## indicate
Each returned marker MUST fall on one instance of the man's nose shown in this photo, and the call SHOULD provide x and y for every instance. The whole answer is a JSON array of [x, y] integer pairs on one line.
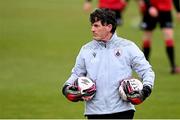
[[92, 29]]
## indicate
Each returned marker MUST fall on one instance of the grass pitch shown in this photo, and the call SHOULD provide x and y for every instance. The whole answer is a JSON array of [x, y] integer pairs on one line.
[[39, 40]]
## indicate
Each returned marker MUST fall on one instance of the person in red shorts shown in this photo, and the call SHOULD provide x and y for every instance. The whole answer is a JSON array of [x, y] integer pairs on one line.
[[115, 5], [159, 12]]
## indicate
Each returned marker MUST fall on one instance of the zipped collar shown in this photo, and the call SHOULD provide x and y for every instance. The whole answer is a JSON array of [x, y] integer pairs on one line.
[[110, 41]]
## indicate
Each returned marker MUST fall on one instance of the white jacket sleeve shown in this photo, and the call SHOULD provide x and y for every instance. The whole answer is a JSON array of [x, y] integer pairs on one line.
[[141, 66]]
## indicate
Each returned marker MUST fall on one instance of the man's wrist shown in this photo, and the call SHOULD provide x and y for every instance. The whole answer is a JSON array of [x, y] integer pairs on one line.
[[146, 91]]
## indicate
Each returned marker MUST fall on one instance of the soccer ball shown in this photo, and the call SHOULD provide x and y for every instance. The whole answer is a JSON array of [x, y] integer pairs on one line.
[[87, 87], [135, 84]]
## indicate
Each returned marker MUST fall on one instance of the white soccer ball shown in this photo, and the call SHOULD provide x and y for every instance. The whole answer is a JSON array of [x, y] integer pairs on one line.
[[87, 87], [135, 84]]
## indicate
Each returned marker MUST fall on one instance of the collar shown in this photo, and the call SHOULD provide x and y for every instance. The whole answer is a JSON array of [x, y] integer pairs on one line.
[[105, 44]]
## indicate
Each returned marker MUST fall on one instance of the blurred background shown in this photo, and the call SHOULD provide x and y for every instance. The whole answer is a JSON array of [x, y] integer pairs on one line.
[[39, 41]]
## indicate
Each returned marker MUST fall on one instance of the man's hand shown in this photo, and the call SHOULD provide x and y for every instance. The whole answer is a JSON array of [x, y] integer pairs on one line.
[[89, 93], [72, 93], [137, 97], [153, 11]]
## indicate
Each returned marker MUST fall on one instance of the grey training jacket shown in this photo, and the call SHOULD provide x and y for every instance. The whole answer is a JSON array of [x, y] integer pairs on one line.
[[108, 64]]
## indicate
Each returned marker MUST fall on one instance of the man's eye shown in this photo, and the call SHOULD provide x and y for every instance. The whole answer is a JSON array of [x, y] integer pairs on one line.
[[95, 25]]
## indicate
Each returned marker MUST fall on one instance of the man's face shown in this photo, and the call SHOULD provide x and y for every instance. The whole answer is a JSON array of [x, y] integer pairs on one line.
[[101, 32]]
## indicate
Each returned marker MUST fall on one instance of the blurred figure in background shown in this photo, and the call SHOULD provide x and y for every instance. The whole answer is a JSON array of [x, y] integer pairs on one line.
[[117, 6], [159, 11]]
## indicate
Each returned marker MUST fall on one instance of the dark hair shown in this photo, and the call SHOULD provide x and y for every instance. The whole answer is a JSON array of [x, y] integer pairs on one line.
[[106, 16]]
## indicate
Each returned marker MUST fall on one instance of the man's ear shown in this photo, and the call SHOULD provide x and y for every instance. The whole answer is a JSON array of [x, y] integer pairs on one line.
[[109, 27]]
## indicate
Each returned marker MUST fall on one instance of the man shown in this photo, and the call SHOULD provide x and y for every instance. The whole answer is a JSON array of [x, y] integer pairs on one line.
[[107, 60], [117, 6], [159, 11]]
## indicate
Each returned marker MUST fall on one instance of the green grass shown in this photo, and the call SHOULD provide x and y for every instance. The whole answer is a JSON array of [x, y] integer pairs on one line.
[[39, 40]]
